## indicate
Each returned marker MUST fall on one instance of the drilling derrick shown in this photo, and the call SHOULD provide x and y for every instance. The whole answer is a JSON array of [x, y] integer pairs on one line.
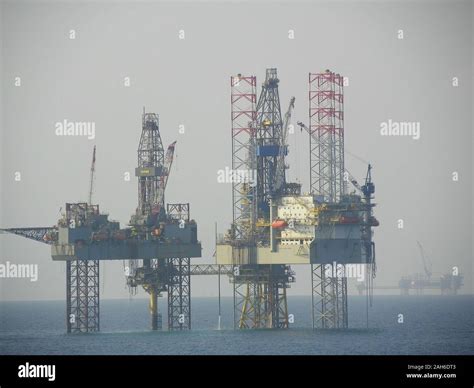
[[153, 222], [150, 208], [150, 167], [268, 134], [151, 157]]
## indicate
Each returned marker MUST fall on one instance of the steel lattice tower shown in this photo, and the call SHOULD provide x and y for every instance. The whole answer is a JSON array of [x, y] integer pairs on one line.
[[269, 132], [82, 282], [179, 279], [179, 294], [326, 117], [82, 296], [150, 155], [243, 101], [150, 158]]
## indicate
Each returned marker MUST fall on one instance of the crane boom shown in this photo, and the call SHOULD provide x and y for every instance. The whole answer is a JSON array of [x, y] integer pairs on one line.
[[168, 163], [91, 185], [353, 181], [286, 121], [426, 263], [283, 146], [40, 234], [159, 201]]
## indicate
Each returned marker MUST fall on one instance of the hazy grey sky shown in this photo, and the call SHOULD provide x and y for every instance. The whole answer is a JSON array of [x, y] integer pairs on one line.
[[187, 83]]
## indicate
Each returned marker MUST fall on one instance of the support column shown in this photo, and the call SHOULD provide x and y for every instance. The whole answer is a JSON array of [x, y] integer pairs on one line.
[[82, 296], [280, 309], [179, 294], [154, 309], [329, 297]]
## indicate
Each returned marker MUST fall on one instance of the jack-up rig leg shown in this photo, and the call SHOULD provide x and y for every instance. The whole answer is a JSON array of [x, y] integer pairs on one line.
[[179, 294], [82, 296]]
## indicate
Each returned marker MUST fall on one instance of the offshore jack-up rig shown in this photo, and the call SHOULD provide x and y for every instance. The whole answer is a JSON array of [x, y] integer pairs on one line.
[[274, 224], [448, 283], [157, 245]]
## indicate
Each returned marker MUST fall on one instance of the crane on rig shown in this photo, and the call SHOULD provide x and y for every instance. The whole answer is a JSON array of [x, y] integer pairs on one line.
[[283, 149], [368, 188], [426, 262], [160, 195], [92, 177]]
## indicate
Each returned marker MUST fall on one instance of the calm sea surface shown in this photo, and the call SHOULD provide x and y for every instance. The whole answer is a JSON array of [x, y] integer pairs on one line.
[[432, 325]]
